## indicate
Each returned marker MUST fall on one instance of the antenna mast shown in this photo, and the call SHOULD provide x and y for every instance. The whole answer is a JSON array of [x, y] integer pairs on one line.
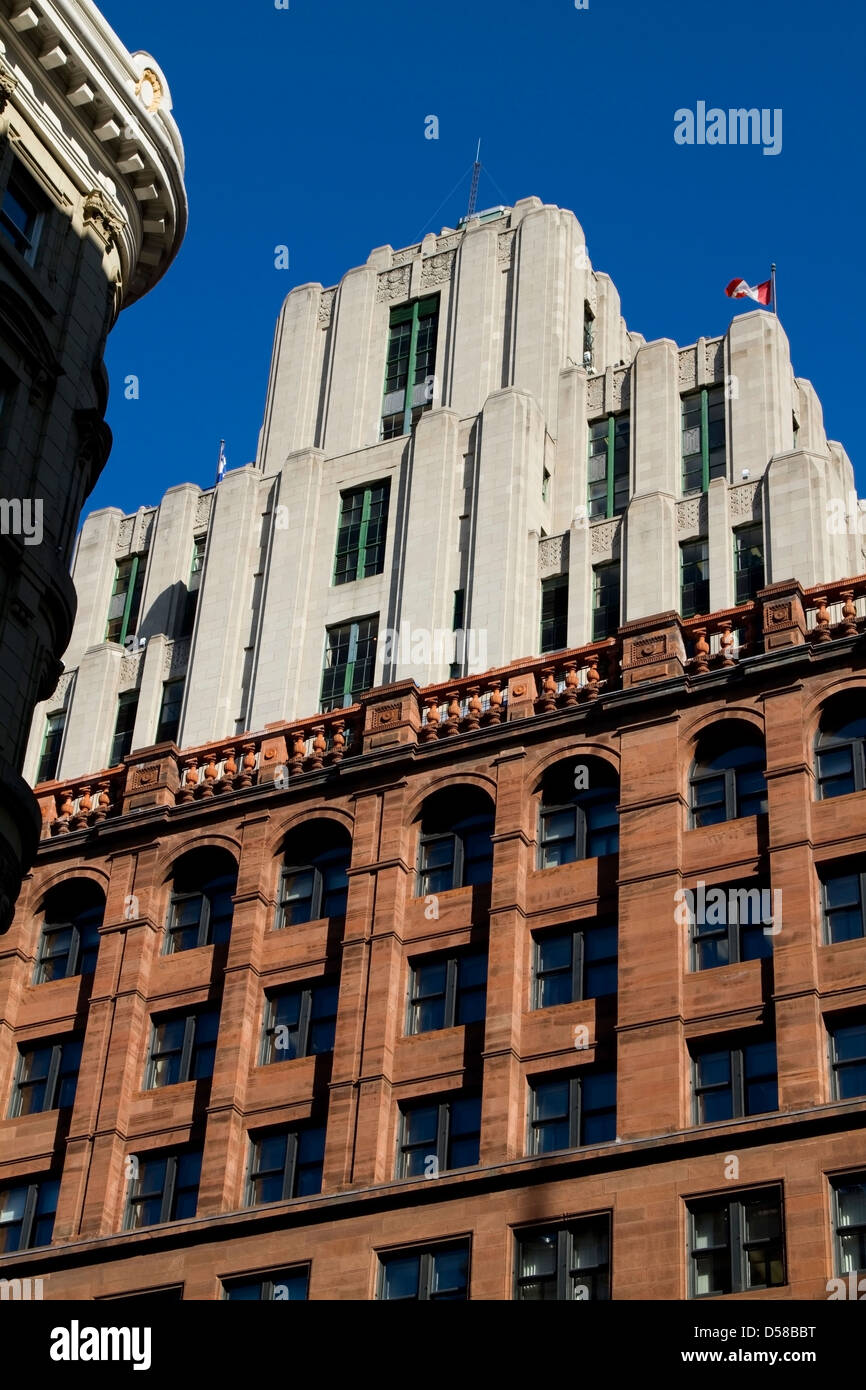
[[476, 172]]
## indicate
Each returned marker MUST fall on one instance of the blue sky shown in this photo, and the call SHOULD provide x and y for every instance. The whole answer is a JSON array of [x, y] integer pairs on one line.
[[305, 127]]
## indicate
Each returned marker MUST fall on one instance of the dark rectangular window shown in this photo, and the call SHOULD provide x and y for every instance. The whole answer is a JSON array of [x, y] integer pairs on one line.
[[848, 1058], [608, 466], [849, 1222], [202, 918], [124, 727], [568, 1111], [281, 1285], [438, 1135], [125, 605], [748, 562], [193, 585], [350, 662], [562, 1263], [27, 1214], [299, 1022], [21, 212], [46, 1077], [165, 1189], [69, 948], [574, 963], [736, 1244], [285, 1163], [703, 435], [554, 613], [182, 1048], [51, 744], [695, 582], [446, 991], [731, 1082], [605, 601], [169, 714], [362, 531], [440, 1273], [410, 365], [843, 896], [731, 929]]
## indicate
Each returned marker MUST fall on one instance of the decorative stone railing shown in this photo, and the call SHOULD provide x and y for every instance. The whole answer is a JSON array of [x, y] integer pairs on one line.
[[652, 649], [836, 610]]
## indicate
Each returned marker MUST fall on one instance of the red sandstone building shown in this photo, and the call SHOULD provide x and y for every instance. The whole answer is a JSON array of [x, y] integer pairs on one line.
[[424, 999]]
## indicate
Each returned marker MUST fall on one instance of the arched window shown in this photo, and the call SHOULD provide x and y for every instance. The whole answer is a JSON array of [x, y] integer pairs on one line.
[[578, 817], [727, 780], [200, 910], [840, 748], [69, 943], [454, 848], [314, 880]]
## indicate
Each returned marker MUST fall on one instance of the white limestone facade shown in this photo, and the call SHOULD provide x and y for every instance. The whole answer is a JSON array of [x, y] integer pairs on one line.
[[497, 523]]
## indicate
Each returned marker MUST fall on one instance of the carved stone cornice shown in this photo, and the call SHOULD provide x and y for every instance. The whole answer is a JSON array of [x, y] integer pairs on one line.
[[101, 213]]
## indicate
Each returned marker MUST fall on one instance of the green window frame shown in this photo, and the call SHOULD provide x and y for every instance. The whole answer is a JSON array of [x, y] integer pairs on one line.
[[350, 662], [193, 585], [605, 600], [52, 742], [704, 438], [554, 613], [409, 365], [748, 562], [170, 710], [608, 466], [125, 605], [361, 532]]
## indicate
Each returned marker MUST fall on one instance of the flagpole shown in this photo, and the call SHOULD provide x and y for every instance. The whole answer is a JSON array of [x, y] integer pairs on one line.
[[773, 278], [219, 460]]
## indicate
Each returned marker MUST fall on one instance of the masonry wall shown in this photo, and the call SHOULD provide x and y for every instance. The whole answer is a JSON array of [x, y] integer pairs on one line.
[[660, 1159]]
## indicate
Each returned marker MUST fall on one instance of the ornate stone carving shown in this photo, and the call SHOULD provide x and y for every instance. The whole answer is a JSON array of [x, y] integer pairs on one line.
[[692, 516], [436, 270], [603, 538], [326, 306], [203, 510], [385, 717], [124, 535], [448, 243], [714, 353], [620, 390], [176, 657], [101, 213], [406, 256], [687, 368], [61, 692], [745, 500], [595, 396], [129, 668], [504, 247], [8, 83], [550, 556], [149, 91], [393, 284]]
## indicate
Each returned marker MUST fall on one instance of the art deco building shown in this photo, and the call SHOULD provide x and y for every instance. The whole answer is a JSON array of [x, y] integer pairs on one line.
[[348, 971], [92, 211]]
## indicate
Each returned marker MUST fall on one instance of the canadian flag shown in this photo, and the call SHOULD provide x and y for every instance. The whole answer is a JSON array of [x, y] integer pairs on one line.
[[738, 289]]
